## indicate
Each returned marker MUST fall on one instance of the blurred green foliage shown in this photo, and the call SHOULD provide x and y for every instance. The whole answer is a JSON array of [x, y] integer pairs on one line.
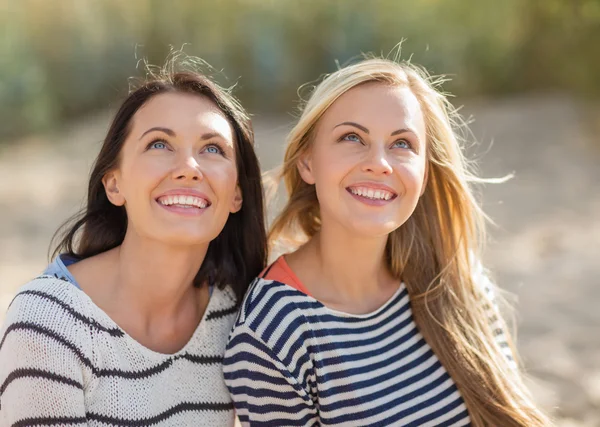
[[63, 58]]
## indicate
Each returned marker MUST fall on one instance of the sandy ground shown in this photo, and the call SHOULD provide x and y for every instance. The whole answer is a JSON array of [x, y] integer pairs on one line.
[[545, 248]]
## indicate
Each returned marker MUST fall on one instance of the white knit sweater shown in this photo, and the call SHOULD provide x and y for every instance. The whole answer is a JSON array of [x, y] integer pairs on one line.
[[63, 361]]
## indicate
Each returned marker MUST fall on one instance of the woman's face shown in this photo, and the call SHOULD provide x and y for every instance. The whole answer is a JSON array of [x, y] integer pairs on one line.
[[368, 159], [177, 175]]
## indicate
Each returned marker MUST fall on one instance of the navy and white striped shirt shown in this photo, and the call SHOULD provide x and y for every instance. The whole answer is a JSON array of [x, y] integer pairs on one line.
[[291, 361]]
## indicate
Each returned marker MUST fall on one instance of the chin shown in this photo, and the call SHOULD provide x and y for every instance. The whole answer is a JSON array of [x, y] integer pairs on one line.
[[370, 229], [188, 238]]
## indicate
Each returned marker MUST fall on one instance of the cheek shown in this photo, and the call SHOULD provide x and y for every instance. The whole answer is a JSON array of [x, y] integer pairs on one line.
[[143, 174], [223, 179], [412, 175], [330, 171]]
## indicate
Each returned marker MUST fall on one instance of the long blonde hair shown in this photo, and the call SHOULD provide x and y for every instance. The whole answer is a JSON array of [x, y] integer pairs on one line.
[[432, 251]]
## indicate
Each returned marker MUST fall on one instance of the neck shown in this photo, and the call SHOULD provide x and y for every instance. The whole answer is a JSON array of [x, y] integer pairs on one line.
[[352, 266], [156, 279]]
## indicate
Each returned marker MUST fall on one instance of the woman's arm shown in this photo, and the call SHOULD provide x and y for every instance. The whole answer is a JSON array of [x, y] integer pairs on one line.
[[41, 375], [264, 391]]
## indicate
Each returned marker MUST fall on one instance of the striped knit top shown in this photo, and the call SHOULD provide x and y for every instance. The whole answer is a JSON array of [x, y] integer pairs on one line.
[[63, 361], [291, 361]]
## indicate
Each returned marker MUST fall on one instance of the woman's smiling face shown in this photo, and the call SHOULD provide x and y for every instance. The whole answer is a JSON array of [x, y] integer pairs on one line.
[[368, 159], [177, 175]]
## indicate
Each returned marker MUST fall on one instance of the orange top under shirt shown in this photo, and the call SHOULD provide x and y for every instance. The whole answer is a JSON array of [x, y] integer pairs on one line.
[[280, 271]]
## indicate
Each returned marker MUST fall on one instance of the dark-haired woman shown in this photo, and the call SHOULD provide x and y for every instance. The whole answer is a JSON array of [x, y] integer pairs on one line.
[[129, 324]]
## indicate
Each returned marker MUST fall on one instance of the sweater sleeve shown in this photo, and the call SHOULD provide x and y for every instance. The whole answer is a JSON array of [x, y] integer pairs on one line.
[[41, 370], [263, 389]]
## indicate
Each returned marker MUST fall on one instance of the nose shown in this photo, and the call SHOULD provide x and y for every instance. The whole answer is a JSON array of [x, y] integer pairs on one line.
[[188, 168], [376, 161]]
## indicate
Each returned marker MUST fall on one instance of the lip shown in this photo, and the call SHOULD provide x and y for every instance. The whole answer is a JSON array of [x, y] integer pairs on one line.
[[184, 192], [373, 186]]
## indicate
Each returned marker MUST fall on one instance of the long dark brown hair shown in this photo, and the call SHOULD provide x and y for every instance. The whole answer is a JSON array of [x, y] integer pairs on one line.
[[239, 252]]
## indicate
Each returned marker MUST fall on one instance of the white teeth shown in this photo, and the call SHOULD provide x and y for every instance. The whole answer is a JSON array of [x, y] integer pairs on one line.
[[184, 201], [372, 194]]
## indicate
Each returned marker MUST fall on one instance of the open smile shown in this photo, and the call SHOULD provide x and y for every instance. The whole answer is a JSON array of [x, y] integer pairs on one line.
[[374, 195], [187, 204]]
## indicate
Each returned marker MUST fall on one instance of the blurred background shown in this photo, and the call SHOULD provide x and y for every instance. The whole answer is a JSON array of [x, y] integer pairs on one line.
[[527, 72]]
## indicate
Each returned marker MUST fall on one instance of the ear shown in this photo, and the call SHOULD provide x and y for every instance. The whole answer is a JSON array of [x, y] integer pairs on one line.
[[425, 178], [236, 204], [111, 186], [304, 165]]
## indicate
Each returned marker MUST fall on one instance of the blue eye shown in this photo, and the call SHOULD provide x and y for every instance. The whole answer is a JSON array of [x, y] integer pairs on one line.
[[158, 145], [351, 137], [213, 149], [401, 143]]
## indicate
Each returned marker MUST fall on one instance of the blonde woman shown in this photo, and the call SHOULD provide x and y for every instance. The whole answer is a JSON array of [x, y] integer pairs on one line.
[[382, 316]]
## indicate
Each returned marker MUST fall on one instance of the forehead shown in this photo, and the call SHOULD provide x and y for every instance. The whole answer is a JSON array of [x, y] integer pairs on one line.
[[182, 112], [377, 103]]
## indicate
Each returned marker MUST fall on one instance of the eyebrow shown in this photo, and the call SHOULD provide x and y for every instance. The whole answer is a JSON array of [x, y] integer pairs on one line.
[[356, 125], [365, 130], [165, 130], [211, 135], [403, 130], [171, 133]]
